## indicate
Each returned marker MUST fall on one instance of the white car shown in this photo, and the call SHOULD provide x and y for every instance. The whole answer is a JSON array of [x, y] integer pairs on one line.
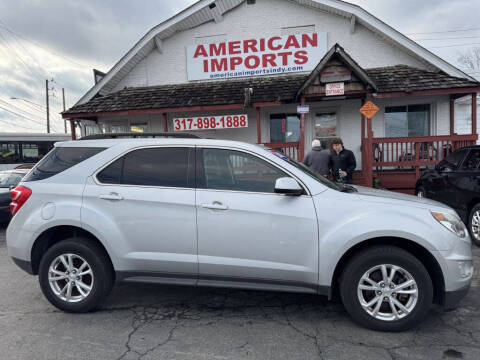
[[221, 213]]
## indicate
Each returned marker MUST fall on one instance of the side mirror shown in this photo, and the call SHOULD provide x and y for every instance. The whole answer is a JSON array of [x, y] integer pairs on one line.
[[288, 186]]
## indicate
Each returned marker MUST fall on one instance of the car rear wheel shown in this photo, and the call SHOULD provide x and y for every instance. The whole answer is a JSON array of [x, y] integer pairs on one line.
[[75, 275], [386, 288], [474, 224]]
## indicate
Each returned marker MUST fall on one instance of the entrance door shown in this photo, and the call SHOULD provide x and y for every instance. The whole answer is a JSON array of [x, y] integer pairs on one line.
[[247, 234], [325, 128]]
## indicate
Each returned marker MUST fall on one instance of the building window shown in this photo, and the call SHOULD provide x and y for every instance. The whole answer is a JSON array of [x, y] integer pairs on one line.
[[284, 128], [118, 129], [406, 121], [139, 127]]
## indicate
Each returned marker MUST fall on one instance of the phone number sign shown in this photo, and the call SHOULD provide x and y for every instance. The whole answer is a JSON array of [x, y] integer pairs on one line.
[[210, 122]]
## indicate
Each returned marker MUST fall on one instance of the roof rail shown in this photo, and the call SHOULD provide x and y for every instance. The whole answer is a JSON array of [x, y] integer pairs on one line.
[[138, 135]]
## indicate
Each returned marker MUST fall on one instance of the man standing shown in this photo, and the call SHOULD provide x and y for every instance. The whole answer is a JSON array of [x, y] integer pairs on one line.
[[318, 160], [343, 162]]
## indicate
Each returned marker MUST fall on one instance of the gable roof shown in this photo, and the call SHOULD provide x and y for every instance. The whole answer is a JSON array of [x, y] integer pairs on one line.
[[201, 12], [280, 88], [339, 52]]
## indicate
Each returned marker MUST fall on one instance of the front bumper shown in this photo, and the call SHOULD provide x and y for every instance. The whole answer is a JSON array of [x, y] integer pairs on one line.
[[452, 298]]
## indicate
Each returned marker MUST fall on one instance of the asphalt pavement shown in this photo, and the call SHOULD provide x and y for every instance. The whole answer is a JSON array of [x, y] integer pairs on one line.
[[143, 321]]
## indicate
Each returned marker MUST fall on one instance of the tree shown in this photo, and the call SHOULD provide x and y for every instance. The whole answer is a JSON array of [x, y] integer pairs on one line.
[[470, 59]]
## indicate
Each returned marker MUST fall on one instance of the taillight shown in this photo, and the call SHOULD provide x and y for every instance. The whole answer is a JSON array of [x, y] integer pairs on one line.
[[19, 197]]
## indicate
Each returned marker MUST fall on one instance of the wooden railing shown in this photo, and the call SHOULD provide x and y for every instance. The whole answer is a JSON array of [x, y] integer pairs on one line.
[[290, 149], [415, 151]]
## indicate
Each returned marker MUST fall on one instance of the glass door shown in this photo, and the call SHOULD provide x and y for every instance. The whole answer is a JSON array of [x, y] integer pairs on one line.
[[325, 128]]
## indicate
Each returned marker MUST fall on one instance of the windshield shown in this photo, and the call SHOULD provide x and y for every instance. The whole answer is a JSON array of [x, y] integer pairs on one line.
[[312, 174], [306, 170], [9, 179]]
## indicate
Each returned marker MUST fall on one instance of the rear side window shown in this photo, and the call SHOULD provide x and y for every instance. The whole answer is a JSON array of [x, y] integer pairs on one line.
[[60, 159], [152, 167]]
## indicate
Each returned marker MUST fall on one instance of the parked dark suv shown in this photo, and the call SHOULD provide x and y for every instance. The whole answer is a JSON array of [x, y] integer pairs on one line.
[[455, 181]]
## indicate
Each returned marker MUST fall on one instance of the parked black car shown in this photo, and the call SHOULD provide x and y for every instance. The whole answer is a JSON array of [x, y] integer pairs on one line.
[[8, 180], [455, 181]]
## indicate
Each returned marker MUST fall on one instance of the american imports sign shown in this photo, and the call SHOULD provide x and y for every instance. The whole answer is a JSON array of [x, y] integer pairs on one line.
[[255, 57]]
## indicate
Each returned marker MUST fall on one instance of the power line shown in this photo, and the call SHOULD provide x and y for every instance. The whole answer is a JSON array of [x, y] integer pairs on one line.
[[443, 32], [16, 125], [4, 26], [447, 46], [19, 57], [22, 116], [42, 107], [5, 103], [452, 38]]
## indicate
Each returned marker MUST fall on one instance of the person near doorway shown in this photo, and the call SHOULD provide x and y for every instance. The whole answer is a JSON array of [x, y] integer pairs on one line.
[[343, 162], [318, 160]]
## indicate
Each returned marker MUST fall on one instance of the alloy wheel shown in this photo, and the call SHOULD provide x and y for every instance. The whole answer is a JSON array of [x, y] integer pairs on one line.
[[70, 277], [476, 225], [387, 292]]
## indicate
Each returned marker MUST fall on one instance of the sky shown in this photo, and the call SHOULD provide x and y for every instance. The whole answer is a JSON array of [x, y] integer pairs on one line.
[[63, 40]]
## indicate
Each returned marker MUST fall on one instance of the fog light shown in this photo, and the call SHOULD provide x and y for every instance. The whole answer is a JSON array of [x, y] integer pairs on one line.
[[465, 268]]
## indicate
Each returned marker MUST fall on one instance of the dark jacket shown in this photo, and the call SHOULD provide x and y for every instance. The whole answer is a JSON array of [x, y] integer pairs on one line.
[[345, 160], [318, 160]]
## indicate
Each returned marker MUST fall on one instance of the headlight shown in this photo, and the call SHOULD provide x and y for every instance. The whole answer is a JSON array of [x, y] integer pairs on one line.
[[451, 222]]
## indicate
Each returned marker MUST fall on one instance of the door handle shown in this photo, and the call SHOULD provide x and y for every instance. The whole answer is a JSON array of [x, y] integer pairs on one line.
[[111, 196], [216, 205]]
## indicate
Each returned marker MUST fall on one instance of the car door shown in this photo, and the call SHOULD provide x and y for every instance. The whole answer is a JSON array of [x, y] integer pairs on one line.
[[439, 183], [465, 182], [143, 203], [248, 236]]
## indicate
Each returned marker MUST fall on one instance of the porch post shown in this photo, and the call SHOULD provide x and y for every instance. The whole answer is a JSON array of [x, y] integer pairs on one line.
[[452, 115], [72, 128], [474, 113], [369, 152], [301, 151], [259, 128], [363, 148], [165, 122]]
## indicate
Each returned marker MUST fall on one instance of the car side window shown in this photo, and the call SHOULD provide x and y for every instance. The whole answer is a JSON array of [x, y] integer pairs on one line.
[[221, 169], [160, 166], [472, 161]]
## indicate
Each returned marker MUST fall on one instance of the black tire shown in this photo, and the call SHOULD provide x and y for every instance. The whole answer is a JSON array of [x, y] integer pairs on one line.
[[390, 255], [470, 228], [422, 190], [100, 265]]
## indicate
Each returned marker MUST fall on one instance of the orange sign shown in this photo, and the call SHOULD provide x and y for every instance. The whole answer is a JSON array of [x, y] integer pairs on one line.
[[369, 109]]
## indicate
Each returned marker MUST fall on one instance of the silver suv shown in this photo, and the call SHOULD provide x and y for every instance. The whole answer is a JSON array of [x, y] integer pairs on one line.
[[223, 213]]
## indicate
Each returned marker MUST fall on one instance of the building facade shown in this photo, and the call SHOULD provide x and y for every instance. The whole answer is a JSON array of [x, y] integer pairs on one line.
[[233, 69]]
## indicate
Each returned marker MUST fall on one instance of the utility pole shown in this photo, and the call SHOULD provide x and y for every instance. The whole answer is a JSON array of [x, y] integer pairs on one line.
[[64, 120], [48, 109]]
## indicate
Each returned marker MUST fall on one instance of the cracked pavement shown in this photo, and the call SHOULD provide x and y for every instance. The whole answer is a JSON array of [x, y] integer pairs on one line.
[[145, 321]]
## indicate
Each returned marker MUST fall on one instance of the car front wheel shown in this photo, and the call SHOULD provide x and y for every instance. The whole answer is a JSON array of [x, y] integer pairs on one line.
[[75, 275], [386, 288], [474, 224]]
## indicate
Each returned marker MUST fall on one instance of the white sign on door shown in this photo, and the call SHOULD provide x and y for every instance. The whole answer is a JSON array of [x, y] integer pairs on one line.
[[334, 89]]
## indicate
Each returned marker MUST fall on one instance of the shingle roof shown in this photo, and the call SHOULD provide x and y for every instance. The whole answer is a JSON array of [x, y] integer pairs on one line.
[[407, 78], [265, 89]]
